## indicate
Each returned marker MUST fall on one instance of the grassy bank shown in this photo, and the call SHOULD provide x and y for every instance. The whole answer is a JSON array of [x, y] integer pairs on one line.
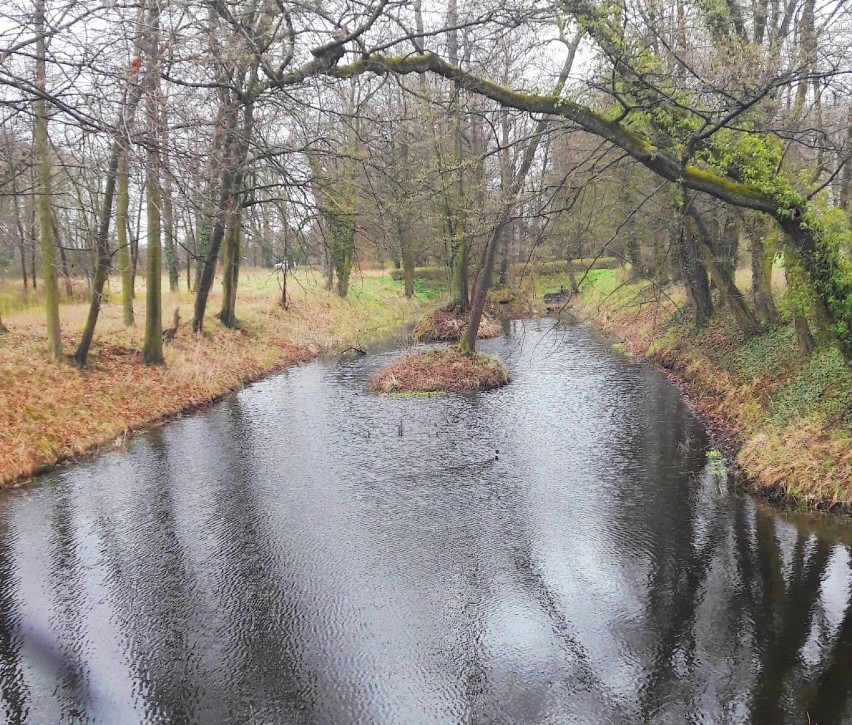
[[50, 413], [786, 421]]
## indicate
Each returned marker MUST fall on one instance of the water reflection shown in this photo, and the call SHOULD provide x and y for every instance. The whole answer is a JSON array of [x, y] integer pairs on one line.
[[286, 556]]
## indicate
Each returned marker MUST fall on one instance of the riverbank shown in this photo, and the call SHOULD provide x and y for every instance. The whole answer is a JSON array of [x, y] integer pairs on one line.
[[52, 413], [785, 422]]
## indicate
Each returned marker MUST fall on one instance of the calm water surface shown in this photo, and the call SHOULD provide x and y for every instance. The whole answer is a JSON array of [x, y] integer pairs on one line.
[[287, 556]]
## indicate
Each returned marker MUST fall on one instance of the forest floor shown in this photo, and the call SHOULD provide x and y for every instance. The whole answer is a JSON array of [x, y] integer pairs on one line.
[[785, 422], [51, 413]]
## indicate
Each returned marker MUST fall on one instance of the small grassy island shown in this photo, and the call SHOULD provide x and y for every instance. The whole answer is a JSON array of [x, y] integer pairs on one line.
[[444, 325], [449, 371]]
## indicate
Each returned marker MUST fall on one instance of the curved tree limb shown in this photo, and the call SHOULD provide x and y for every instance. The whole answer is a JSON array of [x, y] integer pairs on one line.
[[831, 281]]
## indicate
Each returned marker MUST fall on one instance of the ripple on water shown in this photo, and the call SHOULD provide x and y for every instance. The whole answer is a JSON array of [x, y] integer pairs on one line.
[[287, 556]]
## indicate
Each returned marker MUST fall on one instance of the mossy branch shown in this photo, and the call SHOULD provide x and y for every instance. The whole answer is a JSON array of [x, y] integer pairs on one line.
[[642, 150], [826, 269]]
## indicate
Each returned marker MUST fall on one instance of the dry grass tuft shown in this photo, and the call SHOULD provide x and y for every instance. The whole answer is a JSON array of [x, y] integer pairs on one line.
[[806, 461], [50, 413], [445, 326], [441, 371]]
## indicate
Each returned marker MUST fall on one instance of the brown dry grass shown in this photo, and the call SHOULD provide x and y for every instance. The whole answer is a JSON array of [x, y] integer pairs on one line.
[[441, 371], [444, 326], [50, 412]]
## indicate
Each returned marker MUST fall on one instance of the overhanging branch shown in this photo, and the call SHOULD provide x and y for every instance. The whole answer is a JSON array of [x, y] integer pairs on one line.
[[657, 160]]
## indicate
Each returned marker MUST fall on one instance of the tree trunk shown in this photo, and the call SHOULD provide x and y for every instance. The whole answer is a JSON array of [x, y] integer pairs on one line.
[[726, 245], [505, 255], [236, 148], [846, 178], [572, 276], [33, 247], [266, 252], [212, 227], [124, 265], [345, 258], [202, 245], [19, 224], [63, 258], [509, 198], [328, 268], [336, 200], [694, 276], [408, 271], [191, 248], [798, 295], [761, 283], [43, 192], [804, 338], [168, 211], [634, 254], [721, 277], [134, 247], [230, 271], [468, 342], [458, 253], [152, 351], [224, 209], [211, 203], [205, 282], [24, 267], [169, 245], [103, 259]]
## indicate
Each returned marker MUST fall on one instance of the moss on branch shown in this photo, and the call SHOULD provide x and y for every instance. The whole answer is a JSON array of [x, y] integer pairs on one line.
[[828, 272]]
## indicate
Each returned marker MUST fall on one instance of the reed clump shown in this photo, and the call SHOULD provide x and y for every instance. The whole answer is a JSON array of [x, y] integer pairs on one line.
[[448, 326], [441, 371]]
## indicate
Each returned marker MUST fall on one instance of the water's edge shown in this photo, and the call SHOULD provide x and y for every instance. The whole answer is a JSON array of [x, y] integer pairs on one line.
[[381, 337], [304, 551]]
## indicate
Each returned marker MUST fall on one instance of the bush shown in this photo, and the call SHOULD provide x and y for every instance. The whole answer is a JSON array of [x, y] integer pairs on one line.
[[561, 266], [444, 326]]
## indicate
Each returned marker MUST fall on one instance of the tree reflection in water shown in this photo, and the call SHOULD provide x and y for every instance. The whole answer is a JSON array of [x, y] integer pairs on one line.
[[268, 561]]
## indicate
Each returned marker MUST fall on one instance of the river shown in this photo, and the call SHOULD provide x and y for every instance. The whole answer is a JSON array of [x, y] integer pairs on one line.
[[304, 551]]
